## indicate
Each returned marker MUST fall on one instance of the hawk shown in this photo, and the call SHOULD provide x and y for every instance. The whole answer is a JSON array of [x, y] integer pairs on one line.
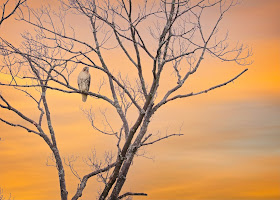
[[84, 82]]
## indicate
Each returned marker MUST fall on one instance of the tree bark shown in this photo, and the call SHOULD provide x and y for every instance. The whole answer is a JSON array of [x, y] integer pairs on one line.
[[61, 174]]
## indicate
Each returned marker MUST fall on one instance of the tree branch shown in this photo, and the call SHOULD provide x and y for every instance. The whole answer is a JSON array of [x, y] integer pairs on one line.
[[3, 17], [73, 90], [132, 194], [148, 143], [19, 125], [197, 93], [83, 183]]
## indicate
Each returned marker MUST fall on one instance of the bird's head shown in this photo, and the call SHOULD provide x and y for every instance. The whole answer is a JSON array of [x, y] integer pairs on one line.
[[86, 69]]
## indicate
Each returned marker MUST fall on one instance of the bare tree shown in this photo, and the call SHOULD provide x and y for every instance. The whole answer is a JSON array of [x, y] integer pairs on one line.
[[155, 37], [5, 12]]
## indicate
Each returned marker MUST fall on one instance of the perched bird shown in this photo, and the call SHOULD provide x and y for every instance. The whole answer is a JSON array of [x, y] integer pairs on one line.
[[84, 82]]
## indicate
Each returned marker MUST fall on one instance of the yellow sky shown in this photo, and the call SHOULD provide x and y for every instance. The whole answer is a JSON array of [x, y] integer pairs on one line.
[[231, 144]]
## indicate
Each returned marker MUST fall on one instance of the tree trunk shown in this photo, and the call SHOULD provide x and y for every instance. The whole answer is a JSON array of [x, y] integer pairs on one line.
[[61, 174], [129, 157]]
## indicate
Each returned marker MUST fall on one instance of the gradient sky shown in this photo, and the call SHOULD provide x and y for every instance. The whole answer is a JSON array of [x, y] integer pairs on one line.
[[231, 144]]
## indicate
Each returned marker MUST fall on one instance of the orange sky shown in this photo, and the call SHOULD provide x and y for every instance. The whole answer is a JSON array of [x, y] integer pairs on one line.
[[231, 144]]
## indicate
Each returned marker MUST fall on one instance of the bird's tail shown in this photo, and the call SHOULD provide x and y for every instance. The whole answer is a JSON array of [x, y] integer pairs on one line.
[[84, 97]]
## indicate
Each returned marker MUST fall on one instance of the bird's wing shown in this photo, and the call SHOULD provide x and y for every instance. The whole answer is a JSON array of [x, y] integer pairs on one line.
[[79, 80], [88, 82]]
